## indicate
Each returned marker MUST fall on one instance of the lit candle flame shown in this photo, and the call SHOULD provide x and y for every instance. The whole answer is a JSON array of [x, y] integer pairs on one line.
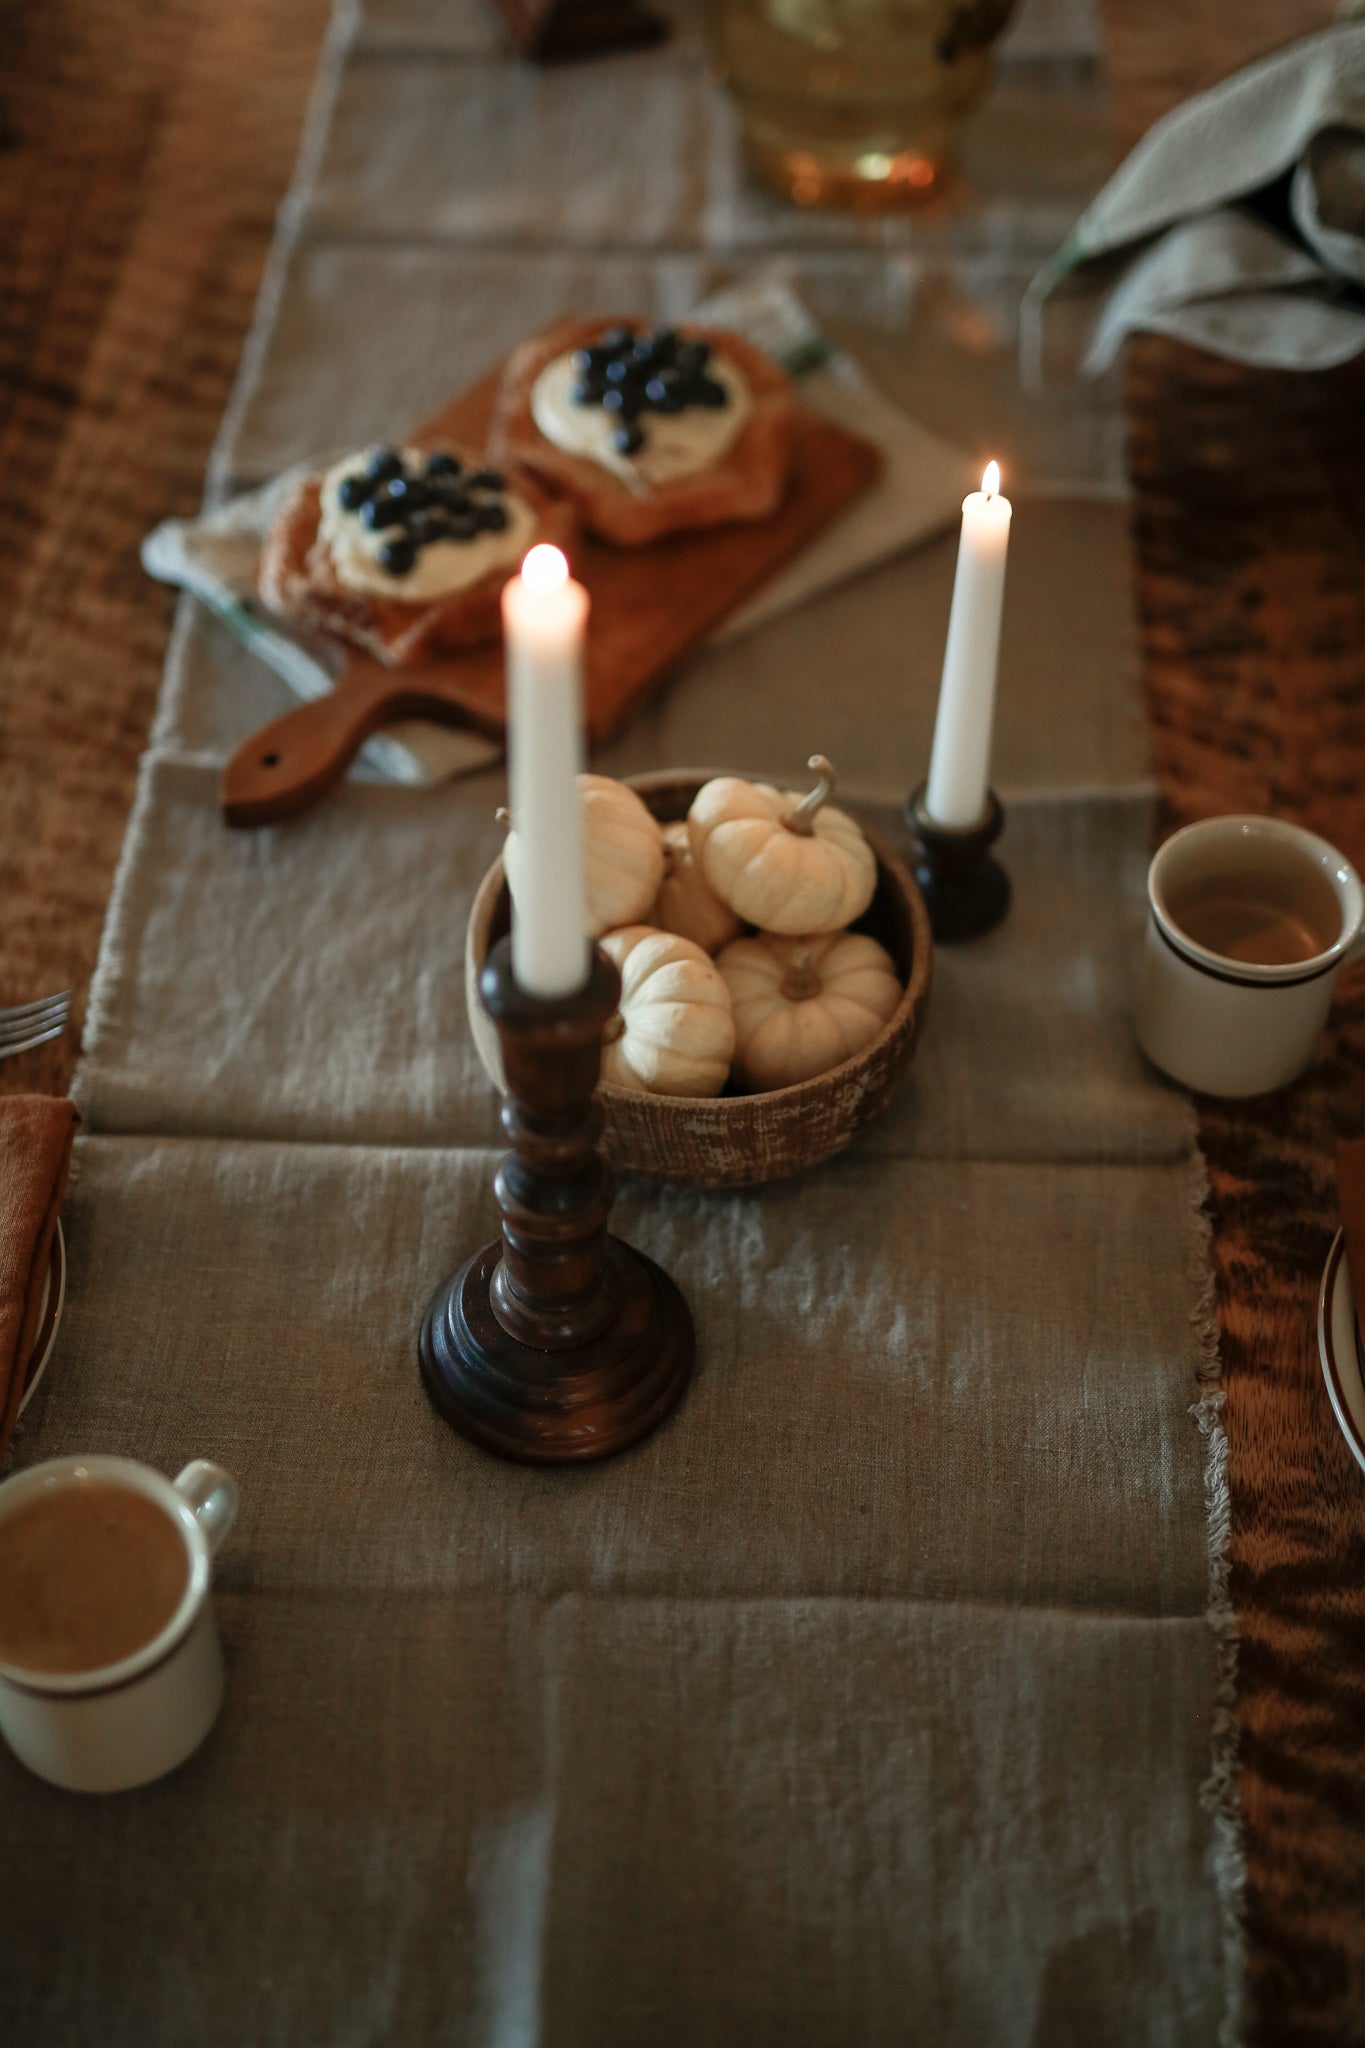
[[545, 568], [990, 483]]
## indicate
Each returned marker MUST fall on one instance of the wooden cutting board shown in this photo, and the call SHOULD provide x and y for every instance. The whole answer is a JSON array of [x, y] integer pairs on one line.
[[650, 607]]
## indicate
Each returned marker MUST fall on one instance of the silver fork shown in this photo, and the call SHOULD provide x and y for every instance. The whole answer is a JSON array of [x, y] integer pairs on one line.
[[30, 1024]]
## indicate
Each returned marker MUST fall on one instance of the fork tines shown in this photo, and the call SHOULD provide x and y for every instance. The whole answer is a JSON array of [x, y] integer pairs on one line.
[[30, 1024]]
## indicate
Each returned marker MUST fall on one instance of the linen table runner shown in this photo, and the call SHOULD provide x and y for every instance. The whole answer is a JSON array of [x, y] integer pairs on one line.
[[874, 1700]]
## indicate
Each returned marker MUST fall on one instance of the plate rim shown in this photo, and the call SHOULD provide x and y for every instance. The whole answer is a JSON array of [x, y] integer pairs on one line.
[[1336, 1273], [51, 1317]]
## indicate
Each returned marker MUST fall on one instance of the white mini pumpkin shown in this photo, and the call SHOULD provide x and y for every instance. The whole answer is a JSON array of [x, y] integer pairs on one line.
[[686, 902], [673, 1033], [623, 854], [787, 863], [802, 1005]]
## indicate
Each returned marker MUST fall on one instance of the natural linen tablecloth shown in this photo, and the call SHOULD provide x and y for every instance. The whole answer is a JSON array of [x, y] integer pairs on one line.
[[876, 1698]]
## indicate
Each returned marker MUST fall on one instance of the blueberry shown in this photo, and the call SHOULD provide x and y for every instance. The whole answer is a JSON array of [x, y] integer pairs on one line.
[[693, 355], [581, 361], [628, 440], [491, 519], [452, 497], [585, 391], [666, 394], [617, 372], [614, 400], [443, 464], [384, 463], [488, 480], [463, 526], [710, 391], [398, 556], [353, 491], [436, 528], [406, 494], [377, 512], [665, 345], [616, 338]]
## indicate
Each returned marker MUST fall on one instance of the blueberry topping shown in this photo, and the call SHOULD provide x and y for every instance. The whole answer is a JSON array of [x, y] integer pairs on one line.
[[414, 507], [398, 556], [629, 373]]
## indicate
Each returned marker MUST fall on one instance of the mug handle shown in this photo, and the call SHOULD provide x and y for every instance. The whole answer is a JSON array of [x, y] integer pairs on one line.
[[212, 1496]]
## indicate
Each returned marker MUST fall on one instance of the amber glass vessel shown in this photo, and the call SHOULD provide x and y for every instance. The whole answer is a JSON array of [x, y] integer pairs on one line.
[[854, 103]]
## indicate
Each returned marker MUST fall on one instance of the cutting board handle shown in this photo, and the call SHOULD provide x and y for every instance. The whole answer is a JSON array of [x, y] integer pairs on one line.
[[286, 766]]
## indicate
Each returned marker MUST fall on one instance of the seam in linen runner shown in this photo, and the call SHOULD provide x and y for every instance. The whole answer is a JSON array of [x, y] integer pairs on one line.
[[1219, 1793], [342, 31]]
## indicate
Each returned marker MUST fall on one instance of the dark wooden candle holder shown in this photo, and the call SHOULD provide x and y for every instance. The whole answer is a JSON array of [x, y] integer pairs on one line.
[[557, 1344], [965, 889]]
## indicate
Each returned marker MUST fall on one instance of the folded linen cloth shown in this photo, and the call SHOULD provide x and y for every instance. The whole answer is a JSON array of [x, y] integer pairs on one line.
[[1237, 224], [35, 1155], [1351, 1194], [918, 494]]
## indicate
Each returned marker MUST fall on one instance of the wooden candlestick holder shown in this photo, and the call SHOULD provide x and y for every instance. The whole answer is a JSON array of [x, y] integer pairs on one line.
[[965, 889], [557, 1344]]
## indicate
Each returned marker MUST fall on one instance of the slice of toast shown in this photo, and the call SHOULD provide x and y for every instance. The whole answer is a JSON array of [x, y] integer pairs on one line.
[[747, 483], [298, 579]]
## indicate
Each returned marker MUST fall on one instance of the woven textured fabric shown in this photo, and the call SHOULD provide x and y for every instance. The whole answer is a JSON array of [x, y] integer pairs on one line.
[[876, 1694]]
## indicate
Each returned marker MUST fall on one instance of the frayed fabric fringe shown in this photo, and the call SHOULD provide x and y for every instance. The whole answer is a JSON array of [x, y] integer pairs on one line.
[[1219, 1792]]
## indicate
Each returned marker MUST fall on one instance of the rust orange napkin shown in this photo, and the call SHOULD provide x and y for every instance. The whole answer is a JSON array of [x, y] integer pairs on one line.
[[35, 1155], [1351, 1191]]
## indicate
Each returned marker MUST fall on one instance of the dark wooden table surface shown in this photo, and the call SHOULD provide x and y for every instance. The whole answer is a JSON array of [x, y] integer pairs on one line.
[[142, 153]]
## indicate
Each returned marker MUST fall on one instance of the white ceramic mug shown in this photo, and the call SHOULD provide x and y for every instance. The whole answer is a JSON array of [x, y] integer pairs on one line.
[[1229, 1027], [127, 1723]]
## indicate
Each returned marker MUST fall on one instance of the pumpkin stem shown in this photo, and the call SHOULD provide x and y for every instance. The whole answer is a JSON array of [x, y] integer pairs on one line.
[[802, 819], [503, 816], [613, 1028], [800, 981]]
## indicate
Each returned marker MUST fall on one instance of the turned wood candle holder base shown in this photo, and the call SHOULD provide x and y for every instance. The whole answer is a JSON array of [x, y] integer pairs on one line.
[[557, 1344], [965, 889]]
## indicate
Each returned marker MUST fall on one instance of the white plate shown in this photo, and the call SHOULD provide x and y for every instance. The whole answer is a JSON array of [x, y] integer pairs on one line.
[[54, 1298], [1340, 1347]]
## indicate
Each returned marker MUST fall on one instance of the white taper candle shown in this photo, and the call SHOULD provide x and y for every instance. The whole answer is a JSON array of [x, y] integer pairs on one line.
[[959, 766], [544, 615]]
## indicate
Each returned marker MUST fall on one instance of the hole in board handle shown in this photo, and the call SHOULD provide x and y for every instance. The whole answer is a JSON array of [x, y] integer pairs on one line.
[[270, 760]]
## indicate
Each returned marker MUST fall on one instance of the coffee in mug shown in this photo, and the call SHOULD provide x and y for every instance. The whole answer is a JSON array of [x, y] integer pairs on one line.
[[88, 1575], [1263, 918]]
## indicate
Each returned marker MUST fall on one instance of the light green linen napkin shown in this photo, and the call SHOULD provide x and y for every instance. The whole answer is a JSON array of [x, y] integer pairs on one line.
[[1237, 224]]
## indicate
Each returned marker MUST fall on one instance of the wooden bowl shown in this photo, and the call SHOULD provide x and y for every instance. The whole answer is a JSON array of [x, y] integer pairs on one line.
[[732, 1140]]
